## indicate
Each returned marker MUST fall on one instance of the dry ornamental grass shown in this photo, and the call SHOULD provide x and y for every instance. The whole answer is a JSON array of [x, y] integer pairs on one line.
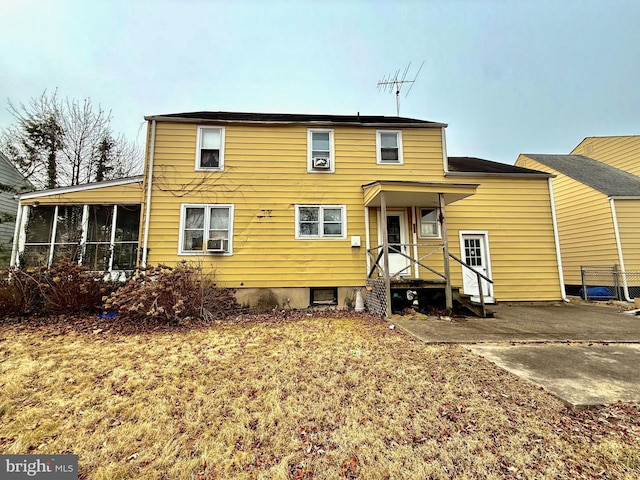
[[321, 398]]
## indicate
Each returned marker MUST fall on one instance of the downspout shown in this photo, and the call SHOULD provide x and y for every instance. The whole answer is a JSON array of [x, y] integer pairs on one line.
[[445, 159], [556, 239], [616, 232], [147, 207], [367, 239]]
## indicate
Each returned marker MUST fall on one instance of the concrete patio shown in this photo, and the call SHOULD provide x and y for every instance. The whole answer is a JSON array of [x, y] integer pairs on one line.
[[585, 354]]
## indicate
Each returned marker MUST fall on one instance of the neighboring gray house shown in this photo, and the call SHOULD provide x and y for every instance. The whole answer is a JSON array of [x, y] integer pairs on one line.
[[11, 183]]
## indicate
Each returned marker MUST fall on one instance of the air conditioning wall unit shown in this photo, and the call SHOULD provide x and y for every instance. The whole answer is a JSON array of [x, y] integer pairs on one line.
[[216, 245], [321, 163]]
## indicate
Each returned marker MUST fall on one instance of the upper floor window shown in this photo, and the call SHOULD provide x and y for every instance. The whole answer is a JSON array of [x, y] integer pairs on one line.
[[389, 146], [210, 148], [320, 221], [320, 156], [429, 226], [206, 229]]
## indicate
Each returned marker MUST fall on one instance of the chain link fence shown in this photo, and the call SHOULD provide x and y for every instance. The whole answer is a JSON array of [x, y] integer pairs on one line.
[[608, 282]]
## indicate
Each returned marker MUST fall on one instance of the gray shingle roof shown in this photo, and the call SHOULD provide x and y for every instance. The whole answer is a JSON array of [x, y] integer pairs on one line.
[[291, 118], [609, 180], [479, 165]]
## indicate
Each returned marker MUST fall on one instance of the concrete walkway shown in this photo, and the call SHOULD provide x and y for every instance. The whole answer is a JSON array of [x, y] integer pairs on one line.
[[586, 355]]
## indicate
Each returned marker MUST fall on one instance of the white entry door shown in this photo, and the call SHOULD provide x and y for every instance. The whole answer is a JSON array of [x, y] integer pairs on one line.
[[475, 253], [397, 232]]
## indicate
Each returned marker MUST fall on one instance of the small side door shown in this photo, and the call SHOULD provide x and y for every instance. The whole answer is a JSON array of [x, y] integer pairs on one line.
[[397, 229], [474, 248]]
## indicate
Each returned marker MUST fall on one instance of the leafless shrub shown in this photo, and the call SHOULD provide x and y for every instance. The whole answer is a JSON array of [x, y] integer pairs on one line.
[[171, 295], [64, 288]]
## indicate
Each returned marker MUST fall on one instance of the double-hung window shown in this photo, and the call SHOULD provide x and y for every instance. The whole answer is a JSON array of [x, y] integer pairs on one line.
[[321, 221], [206, 229], [429, 226], [210, 148], [389, 147], [320, 156]]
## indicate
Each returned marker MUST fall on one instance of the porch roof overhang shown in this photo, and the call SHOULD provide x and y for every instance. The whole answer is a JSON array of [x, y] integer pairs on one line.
[[399, 193]]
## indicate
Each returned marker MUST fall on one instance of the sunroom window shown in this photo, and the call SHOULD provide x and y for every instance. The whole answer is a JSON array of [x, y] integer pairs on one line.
[[82, 233]]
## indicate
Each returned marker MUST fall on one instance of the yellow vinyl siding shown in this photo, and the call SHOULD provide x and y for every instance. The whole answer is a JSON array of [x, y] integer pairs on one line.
[[620, 152], [516, 214], [628, 214], [265, 176], [109, 195], [585, 225]]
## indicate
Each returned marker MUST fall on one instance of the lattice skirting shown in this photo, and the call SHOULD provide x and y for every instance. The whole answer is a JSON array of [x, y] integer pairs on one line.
[[376, 296]]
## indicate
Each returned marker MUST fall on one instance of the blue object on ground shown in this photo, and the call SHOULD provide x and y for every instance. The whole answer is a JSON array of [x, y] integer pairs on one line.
[[107, 315], [597, 293]]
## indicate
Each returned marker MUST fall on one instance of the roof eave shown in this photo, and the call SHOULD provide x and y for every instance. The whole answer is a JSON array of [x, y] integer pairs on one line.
[[500, 174], [79, 188], [209, 121]]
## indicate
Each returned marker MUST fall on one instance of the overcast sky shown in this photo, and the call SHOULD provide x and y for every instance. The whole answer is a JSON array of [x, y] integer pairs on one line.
[[508, 76]]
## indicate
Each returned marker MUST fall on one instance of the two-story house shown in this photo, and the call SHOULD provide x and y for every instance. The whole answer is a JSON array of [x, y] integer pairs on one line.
[[311, 208]]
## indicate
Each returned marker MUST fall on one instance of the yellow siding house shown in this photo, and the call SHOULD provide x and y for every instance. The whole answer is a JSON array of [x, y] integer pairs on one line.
[[314, 208], [597, 205]]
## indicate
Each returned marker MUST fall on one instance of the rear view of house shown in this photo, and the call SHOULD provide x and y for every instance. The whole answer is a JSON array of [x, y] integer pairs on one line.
[[314, 207]]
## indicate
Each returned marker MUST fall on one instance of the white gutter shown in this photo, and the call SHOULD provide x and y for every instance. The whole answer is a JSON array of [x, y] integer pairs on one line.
[[147, 207], [616, 233], [556, 239]]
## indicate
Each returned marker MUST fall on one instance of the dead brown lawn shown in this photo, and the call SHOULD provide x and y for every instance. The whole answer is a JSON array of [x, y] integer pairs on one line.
[[314, 398]]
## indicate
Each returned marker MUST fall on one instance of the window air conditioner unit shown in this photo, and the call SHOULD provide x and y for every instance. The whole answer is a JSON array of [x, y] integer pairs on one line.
[[215, 245], [321, 163]]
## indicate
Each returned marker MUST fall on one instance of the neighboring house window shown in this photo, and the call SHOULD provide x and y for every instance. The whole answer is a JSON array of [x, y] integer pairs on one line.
[[389, 146], [210, 151], [320, 221], [320, 156], [429, 226], [206, 229]]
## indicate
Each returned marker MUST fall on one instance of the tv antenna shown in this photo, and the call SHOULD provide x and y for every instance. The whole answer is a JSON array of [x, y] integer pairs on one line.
[[394, 83]]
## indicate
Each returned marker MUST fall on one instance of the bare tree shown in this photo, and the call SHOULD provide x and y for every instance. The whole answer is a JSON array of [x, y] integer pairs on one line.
[[58, 142]]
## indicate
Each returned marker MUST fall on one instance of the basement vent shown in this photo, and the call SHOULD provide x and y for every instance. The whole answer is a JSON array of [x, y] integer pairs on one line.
[[323, 296]]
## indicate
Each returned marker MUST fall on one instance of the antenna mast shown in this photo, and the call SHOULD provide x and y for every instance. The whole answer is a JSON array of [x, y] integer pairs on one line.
[[394, 83]]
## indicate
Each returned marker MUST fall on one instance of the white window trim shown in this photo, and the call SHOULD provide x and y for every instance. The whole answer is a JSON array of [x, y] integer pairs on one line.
[[419, 222], [320, 235], [332, 155], [198, 149], [206, 206], [379, 147]]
